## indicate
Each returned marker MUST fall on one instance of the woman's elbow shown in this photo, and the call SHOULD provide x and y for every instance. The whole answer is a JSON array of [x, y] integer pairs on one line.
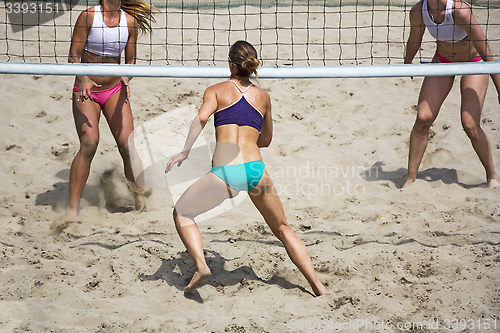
[[264, 142], [202, 119], [72, 58]]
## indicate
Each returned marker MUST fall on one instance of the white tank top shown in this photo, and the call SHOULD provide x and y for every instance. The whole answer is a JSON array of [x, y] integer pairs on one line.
[[104, 41], [446, 31]]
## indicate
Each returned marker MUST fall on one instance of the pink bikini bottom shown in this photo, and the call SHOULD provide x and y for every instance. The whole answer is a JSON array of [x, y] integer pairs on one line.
[[444, 60], [102, 96]]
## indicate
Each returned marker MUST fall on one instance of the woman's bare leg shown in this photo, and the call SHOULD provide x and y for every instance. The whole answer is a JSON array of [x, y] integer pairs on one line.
[[120, 120], [206, 193], [473, 89], [432, 95], [191, 238], [268, 203], [86, 116]]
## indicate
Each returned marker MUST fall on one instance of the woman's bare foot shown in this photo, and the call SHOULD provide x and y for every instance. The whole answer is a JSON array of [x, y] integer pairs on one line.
[[198, 276], [140, 202], [408, 182], [72, 216], [139, 196], [318, 288], [492, 183]]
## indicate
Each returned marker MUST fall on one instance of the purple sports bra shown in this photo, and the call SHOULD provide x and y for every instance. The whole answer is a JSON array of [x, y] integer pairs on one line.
[[240, 113]]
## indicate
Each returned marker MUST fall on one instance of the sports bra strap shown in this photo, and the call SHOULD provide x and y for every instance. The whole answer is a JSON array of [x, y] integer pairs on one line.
[[237, 86]]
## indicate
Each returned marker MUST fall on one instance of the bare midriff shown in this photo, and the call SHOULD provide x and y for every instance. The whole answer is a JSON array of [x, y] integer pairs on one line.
[[235, 145], [105, 81], [462, 51]]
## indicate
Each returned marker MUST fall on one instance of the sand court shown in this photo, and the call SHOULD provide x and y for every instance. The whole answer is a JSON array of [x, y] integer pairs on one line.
[[427, 255]]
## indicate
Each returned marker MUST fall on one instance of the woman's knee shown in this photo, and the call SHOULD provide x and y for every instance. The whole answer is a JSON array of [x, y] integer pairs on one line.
[[471, 128], [176, 217], [424, 121], [282, 230], [182, 219], [88, 146]]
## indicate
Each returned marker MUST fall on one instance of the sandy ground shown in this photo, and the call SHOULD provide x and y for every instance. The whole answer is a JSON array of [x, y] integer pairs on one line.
[[424, 256]]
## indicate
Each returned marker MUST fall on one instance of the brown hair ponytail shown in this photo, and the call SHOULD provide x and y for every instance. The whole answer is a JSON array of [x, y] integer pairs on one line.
[[244, 56]]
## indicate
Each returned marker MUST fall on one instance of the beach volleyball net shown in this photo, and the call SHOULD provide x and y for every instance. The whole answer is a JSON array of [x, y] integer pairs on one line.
[[190, 38]]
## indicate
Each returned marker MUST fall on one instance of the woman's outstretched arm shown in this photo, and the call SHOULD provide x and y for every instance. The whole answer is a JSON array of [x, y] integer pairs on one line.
[[207, 108]]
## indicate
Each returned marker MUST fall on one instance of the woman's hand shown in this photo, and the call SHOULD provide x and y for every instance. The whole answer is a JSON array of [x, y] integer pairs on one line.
[[176, 159], [86, 85], [125, 80]]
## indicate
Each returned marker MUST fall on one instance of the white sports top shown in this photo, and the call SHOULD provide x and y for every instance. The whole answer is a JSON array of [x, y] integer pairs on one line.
[[104, 41], [446, 31]]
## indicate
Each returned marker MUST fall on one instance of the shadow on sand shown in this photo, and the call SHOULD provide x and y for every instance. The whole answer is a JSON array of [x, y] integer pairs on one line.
[[398, 177], [178, 271]]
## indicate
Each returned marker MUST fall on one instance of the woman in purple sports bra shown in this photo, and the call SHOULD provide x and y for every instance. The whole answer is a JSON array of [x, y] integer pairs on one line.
[[243, 124], [459, 39], [101, 34]]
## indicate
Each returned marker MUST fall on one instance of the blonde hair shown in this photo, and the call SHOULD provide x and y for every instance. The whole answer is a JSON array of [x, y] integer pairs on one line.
[[244, 56], [141, 11]]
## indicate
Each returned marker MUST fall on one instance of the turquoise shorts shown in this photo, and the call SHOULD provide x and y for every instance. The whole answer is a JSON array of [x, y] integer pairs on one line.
[[241, 177]]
